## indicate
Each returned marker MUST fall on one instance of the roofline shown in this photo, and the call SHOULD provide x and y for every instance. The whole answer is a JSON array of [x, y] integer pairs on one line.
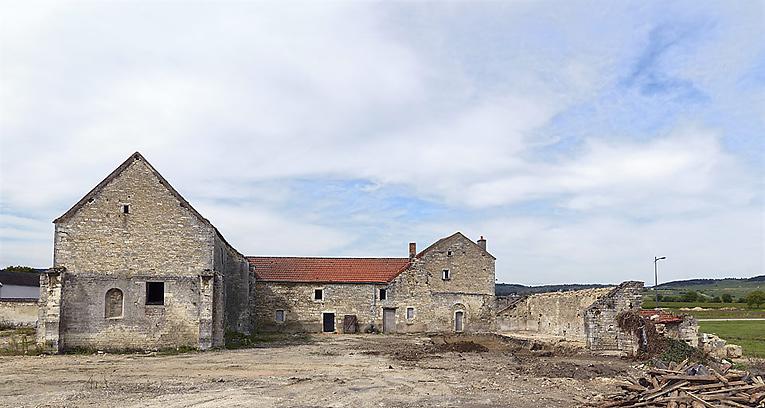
[[324, 281], [108, 179], [100, 186], [403, 258], [458, 233]]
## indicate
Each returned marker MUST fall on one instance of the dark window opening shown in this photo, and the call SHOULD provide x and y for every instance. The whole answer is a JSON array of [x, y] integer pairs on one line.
[[126, 209], [449, 253], [279, 315], [445, 274], [383, 294], [155, 293], [318, 294]]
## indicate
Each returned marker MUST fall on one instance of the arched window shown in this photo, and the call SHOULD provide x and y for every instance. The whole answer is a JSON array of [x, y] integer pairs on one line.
[[113, 303]]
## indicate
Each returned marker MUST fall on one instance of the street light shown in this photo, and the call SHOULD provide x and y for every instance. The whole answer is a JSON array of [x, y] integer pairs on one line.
[[656, 277]]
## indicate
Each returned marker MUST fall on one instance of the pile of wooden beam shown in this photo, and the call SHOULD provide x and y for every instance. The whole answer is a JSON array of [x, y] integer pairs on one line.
[[685, 385]]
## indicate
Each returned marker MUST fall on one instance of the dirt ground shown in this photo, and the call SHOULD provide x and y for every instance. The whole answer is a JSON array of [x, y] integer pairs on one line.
[[326, 371]]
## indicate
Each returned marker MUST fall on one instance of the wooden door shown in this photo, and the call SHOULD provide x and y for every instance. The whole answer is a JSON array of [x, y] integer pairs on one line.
[[389, 320], [350, 324]]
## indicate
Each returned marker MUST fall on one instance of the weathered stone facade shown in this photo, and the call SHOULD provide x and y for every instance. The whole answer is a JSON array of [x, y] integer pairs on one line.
[[418, 299], [131, 232], [555, 313], [601, 327], [587, 315]]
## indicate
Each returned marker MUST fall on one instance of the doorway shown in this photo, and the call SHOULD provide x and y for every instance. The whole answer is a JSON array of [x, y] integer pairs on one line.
[[328, 324], [389, 320], [459, 317]]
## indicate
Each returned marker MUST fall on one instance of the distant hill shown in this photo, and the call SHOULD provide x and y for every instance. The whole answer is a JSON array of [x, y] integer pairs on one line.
[[737, 287], [504, 289], [733, 282]]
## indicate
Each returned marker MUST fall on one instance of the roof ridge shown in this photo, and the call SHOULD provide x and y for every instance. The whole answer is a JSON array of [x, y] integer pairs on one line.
[[402, 258]]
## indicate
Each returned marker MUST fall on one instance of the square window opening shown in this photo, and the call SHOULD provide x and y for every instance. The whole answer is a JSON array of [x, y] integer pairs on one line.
[[383, 294], [279, 315], [446, 274], [155, 293], [318, 294], [126, 208]]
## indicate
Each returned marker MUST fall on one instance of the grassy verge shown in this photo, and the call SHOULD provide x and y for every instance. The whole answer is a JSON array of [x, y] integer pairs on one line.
[[749, 335]]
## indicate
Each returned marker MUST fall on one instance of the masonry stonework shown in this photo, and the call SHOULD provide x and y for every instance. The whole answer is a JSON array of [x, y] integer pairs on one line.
[[600, 319], [418, 299], [131, 230]]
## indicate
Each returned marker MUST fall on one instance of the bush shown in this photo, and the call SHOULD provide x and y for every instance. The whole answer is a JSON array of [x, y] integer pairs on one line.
[[727, 298], [690, 297], [715, 299], [755, 298]]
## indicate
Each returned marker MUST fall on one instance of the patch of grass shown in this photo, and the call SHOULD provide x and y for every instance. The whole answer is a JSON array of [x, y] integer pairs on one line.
[[750, 335], [18, 342]]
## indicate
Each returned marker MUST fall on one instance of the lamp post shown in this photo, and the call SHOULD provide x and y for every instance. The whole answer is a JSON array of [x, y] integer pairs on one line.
[[656, 278]]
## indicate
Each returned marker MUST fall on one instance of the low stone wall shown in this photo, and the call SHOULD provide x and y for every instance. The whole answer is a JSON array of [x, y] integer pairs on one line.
[[18, 313]]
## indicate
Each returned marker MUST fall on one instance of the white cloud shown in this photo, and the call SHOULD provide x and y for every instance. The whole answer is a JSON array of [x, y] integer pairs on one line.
[[234, 102]]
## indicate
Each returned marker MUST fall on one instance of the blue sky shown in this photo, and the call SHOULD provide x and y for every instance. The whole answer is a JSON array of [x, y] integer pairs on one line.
[[581, 138]]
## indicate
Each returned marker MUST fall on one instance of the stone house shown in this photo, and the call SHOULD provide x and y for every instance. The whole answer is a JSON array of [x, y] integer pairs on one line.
[[448, 287], [137, 267]]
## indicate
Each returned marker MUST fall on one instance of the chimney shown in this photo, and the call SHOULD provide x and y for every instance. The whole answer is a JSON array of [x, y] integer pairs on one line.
[[482, 243], [412, 250]]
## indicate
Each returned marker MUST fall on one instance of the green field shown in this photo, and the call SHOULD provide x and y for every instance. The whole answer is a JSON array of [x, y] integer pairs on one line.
[[716, 310], [734, 287], [750, 335]]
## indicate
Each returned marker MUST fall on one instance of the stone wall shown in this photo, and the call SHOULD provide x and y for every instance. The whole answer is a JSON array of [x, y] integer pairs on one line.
[[18, 312], [556, 313], [601, 328], [235, 304], [304, 314], [434, 301], [133, 229]]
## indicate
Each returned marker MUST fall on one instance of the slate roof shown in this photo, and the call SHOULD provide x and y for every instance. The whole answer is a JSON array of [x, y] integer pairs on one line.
[[327, 270], [20, 278]]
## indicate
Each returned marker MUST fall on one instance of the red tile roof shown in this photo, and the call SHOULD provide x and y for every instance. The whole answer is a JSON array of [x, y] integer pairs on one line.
[[660, 316], [327, 270]]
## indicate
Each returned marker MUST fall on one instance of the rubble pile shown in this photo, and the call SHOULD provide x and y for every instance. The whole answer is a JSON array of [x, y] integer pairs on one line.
[[690, 386]]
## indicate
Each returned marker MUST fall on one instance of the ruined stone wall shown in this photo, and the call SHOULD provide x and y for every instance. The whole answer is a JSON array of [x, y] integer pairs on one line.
[[555, 313], [101, 247], [601, 327], [18, 313]]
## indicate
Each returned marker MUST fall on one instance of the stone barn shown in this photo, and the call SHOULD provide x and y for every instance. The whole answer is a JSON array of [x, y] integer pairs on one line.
[[137, 267], [448, 287]]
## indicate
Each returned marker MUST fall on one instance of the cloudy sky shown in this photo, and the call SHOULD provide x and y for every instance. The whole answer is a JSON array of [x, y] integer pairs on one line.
[[582, 139]]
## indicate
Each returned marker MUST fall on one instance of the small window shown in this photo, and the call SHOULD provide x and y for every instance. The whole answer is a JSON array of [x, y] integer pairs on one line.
[[126, 208], [445, 274], [155, 293], [113, 304], [279, 316], [448, 253], [318, 294], [409, 313], [383, 294]]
